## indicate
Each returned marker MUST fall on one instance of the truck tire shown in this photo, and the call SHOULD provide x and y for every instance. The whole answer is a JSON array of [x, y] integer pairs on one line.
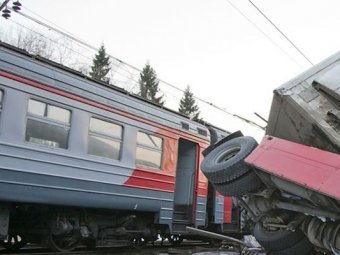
[[225, 163], [276, 240], [249, 182], [303, 247]]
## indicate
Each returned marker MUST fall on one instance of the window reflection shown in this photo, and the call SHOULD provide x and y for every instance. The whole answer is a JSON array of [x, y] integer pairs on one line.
[[149, 140], [104, 147], [149, 150], [36, 107], [44, 124], [105, 127], [104, 139], [58, 114]]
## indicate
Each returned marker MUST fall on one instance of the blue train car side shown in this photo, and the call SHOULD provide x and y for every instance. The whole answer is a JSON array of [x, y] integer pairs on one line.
[[84, 162]]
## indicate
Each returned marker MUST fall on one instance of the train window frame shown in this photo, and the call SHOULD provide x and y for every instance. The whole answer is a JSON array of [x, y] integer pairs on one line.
[[106, 136], [150, 149], [47, 122], [2, 93]]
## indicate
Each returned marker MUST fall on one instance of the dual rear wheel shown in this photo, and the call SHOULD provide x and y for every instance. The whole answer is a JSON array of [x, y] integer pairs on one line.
[[226, 170], [282, 241]]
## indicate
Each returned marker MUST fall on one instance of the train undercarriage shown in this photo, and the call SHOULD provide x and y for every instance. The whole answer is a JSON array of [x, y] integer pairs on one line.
[[63, 229]]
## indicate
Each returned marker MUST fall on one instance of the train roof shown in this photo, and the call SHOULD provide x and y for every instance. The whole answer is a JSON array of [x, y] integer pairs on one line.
[[41, 70]]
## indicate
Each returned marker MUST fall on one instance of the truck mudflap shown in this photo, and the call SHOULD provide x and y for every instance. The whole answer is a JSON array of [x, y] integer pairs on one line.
[[305, 166]]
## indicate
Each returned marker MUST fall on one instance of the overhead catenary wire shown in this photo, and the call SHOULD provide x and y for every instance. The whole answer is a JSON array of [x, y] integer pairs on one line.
[[66, 34], [280, 31], [264, 33], [47, 38], [41, 17], [79, 53], [80, 43]]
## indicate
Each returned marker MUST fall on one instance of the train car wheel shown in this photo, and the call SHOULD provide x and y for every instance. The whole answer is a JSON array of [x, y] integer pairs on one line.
[[175, 239], [138, 242], [13, 242], [90, 243], [162, 237], [63, 243]]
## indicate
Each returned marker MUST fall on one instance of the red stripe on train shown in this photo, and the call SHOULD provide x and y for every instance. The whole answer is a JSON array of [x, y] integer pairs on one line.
[[140, 178], [148, 179]]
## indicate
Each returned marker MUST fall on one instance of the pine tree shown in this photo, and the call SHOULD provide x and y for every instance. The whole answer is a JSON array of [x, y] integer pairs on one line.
[[100, 66], [148, 85], [188, 106]]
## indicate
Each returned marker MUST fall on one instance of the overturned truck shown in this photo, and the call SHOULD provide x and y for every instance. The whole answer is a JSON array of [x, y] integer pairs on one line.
[[290, 183]]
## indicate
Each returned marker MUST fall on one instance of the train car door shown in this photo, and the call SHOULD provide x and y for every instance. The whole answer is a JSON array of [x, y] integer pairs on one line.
[[184, 197]]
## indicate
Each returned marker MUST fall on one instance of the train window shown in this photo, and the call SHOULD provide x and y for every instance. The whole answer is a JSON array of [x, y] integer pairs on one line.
[[106, 128], [36, 107], [149, 140], [149, 150], [58, 114], [47, 124], [104, 139]]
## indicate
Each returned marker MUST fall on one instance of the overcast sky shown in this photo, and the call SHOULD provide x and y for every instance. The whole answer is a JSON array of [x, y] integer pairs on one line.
[[207, 44]]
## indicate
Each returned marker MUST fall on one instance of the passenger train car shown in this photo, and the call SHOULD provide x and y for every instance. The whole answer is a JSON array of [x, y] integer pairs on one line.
[[85, 162]]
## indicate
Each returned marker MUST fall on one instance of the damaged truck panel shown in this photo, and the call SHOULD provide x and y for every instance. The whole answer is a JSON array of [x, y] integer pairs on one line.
[[306, 109]]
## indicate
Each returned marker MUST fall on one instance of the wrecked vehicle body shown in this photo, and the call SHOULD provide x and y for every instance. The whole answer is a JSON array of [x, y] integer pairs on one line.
[[290, 183], [306, 109]]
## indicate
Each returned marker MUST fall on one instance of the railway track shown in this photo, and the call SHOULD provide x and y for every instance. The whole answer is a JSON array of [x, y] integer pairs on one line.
[[166, 249]]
